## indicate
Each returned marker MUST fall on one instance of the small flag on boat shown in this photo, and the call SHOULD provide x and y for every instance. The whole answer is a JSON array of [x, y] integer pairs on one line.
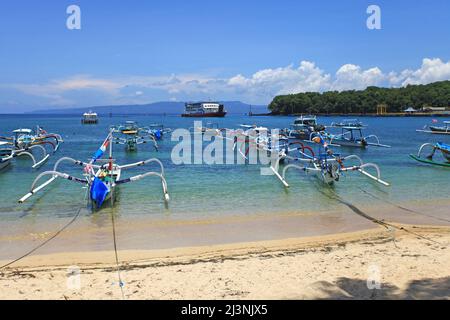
[[102, 149]]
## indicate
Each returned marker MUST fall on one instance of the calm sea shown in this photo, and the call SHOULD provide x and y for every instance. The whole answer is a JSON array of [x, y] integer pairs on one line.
[[202, 191]]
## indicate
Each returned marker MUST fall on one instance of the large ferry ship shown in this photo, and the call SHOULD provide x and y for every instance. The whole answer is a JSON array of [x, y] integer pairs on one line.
[[89, 118], [204, 109]]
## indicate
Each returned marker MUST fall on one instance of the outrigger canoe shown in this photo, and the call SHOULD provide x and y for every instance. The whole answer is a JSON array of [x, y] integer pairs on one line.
[[442, 147]]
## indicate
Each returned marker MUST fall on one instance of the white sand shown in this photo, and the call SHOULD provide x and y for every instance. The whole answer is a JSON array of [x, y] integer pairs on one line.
[[307, 268]]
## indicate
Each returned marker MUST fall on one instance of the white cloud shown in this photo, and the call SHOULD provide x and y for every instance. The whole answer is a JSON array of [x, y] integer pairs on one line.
[[431, 70], [259, 87], [307, 77], [352, 77]]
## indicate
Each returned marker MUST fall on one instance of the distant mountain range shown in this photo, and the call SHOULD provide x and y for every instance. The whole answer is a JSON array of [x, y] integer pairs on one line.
[[164, 107]]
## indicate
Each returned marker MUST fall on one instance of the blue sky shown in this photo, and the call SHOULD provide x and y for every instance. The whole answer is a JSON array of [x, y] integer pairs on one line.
[[145, 51]]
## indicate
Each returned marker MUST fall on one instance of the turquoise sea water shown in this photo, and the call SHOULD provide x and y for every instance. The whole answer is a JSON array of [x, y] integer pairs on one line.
[[202, 191]]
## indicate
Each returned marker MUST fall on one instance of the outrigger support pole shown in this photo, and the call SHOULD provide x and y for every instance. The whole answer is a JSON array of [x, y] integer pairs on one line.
[[148, 174], [41, 141], [73, 161], [17, 153], [142, 163], [427, 145], [141, 176], [282, 177], [361, 170], [46, 156], [378, 144], [54, 174], [354, 156]]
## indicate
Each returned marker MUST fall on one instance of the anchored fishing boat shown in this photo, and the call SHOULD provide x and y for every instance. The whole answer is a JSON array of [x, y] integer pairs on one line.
[[25, 142], [355, 123], [326, 165], [133, 135], [352, 136], [303, 127], [101, 180], [158, 130], [439, 146], [211, 128], [434, 129], [24, 138], [248, 126]]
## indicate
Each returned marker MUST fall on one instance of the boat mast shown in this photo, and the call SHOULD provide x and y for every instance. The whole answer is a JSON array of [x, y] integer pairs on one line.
[[110, 152]]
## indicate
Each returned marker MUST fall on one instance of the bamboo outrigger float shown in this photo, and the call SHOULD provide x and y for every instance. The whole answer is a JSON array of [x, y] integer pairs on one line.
[[439, 146], [101, 180]]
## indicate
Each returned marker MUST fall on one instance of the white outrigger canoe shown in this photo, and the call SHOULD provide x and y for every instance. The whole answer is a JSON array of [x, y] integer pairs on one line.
[[327, 166], [101, 180]]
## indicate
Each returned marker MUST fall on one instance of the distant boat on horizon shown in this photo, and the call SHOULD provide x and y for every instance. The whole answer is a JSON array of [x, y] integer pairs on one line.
[[89, 118], [204, 109]]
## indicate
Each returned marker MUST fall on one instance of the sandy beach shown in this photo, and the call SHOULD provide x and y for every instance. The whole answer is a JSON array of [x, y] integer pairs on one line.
[[398, 265]]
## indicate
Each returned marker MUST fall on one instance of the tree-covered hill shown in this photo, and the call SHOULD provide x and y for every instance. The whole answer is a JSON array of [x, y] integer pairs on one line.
[[364, 101]]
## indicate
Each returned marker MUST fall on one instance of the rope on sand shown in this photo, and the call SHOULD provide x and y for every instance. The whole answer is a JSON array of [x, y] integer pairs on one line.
[[403, 208], [359, 212], [46, 241], [116, 255]]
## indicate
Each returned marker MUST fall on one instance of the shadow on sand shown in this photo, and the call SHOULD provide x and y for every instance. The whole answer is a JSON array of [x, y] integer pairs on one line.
[[349, 289]]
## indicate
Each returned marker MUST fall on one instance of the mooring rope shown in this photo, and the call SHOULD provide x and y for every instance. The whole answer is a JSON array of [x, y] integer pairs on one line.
[[46, 241], [401, 207], [358, 211], [116, 254]]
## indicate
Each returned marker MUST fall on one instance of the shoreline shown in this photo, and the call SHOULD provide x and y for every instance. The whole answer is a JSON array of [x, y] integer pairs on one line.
[[362, 115], [94, 232], [227, 250], [241, 268]]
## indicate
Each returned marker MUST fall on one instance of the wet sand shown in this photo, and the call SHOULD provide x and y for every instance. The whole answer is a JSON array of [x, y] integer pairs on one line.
[[94, 232]]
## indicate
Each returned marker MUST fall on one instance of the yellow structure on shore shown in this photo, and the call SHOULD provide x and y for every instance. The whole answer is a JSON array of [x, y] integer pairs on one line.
[[381, 109]]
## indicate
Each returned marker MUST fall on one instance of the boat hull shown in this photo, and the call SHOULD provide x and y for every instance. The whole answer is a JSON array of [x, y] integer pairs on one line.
[[345, 143], [440, 129], [299, 136], [89, 121], [4, 164], [427, 161], [204, 115], [110, 187]]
